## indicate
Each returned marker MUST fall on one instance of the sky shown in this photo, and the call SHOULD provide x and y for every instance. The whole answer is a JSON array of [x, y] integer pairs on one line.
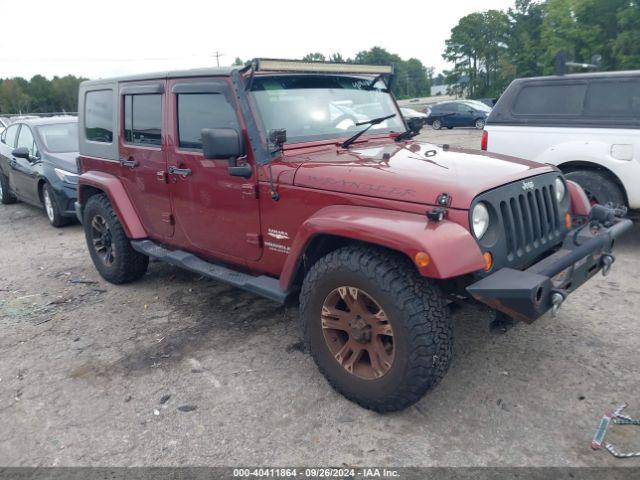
[[98, 39]]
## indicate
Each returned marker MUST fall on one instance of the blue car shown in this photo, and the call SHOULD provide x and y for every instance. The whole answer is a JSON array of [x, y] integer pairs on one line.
[[38, 166], [458, 113]]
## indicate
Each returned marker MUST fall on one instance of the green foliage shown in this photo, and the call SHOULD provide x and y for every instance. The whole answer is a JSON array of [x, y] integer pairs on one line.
[[489, 49], [476, 49], [412, 79], [39, 95]]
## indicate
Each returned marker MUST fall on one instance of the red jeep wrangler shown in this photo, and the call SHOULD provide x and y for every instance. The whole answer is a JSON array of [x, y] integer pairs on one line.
[[287, 177]]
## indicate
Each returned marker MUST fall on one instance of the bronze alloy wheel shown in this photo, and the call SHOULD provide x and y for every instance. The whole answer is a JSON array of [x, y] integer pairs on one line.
[[358, 333], [102, 240]]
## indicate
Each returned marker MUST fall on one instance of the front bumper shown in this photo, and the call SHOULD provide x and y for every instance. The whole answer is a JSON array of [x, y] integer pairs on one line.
[[528, 294]]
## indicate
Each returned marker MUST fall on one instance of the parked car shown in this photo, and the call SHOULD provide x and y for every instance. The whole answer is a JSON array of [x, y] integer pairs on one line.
[[588, 125], [3, 124], [244, 176], [38, 166], [489, 102], [413, 115], [459, 113]]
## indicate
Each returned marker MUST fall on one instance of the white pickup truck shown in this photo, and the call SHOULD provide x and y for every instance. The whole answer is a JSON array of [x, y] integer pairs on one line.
[[586, 124]]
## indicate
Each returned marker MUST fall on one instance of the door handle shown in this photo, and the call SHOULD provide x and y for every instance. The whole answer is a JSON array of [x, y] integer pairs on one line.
[[129, 162], [183, 172]]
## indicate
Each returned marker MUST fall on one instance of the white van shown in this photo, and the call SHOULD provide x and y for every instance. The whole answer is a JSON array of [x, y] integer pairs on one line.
[[586, 124]]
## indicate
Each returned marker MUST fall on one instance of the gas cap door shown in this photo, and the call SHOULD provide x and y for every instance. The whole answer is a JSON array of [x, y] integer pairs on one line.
[[622, 152]]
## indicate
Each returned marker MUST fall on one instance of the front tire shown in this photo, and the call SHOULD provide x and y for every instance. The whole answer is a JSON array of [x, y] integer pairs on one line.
[[6, 197], [479, 124], [110, 249], [436, 125], [378, 331], [51, 207]]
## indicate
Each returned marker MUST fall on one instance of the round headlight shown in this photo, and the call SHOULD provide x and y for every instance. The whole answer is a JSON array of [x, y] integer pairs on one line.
[[561, 190], [480, 220]]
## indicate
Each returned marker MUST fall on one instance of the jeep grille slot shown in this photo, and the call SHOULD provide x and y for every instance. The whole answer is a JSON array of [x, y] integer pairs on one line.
[[530, 220]]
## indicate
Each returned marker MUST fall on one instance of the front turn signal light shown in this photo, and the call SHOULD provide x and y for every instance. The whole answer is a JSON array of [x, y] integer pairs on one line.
[[488, 261], [422, 259], [568, 221]]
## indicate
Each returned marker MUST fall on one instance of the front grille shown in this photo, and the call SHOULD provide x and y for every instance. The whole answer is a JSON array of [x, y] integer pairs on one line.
[[528, 221]]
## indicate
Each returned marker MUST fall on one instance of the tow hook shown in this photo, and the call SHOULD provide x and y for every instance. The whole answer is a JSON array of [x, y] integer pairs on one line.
[[557, 298], [607, 260]]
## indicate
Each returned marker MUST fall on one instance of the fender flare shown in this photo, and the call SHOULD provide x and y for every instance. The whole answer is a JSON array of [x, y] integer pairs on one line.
[[113, 188], [451, 248], [579, 202]]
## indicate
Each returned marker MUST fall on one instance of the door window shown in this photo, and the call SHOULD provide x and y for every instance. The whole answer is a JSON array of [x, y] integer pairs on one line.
[[25, 139], [143, 119], [9, 135], [202, 110]]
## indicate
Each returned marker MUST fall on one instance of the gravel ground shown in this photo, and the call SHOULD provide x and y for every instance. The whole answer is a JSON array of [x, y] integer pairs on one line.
[[180, 370]]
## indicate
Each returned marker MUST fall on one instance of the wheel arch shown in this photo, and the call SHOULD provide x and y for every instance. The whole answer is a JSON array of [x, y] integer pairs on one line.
[[575, 165], [96, 183], [405, 233]]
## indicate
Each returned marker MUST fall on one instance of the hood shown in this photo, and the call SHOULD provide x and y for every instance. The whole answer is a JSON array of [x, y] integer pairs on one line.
[[410, 171], [65, 161]]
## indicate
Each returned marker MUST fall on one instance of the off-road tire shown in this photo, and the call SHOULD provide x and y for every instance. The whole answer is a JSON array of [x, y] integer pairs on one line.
[[128, 265], [416, 311], [599, 187], [6, 197], [55, 218]]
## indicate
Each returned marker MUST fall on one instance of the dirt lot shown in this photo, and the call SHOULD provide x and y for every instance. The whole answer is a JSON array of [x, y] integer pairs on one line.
[[85, 365]]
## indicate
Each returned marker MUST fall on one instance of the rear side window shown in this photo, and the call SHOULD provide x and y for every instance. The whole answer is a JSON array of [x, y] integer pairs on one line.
[[202, 110], [143, 119], [567, 99], [618, 98], [9, 135], [98, 116]]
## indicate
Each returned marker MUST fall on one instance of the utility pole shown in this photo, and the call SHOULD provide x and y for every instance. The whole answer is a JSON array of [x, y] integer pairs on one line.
[[217, 54]]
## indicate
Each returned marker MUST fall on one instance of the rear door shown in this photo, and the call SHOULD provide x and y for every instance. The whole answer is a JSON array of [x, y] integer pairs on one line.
[[143, 155], [7, 144], [22, 172], [216, 214]]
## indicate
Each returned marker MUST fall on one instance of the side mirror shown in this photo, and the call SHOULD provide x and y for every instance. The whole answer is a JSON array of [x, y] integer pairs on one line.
[[225, 143], [21, 152], [415, 125]]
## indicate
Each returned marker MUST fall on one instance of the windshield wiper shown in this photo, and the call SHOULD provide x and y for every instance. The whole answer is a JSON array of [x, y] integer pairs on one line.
[[369, 123]]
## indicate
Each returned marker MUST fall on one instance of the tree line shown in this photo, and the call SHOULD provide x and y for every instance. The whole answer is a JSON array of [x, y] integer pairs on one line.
[[412, 78], [39, 95], [489, 49]]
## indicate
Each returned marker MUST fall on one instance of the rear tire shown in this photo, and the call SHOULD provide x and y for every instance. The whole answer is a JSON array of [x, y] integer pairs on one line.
[[479, 124], [109, 247], [6, 197], [51, 207], [598, 186], [406, 331]]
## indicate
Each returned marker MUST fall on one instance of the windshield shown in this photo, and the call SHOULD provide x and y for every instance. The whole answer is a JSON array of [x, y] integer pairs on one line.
[[59, 137], [322, 107]]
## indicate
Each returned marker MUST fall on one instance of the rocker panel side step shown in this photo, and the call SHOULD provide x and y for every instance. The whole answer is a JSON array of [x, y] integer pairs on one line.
[[262, 285]]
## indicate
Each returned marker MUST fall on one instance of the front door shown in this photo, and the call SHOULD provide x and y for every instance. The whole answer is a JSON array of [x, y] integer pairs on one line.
[[216, 214], [143, 156]]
